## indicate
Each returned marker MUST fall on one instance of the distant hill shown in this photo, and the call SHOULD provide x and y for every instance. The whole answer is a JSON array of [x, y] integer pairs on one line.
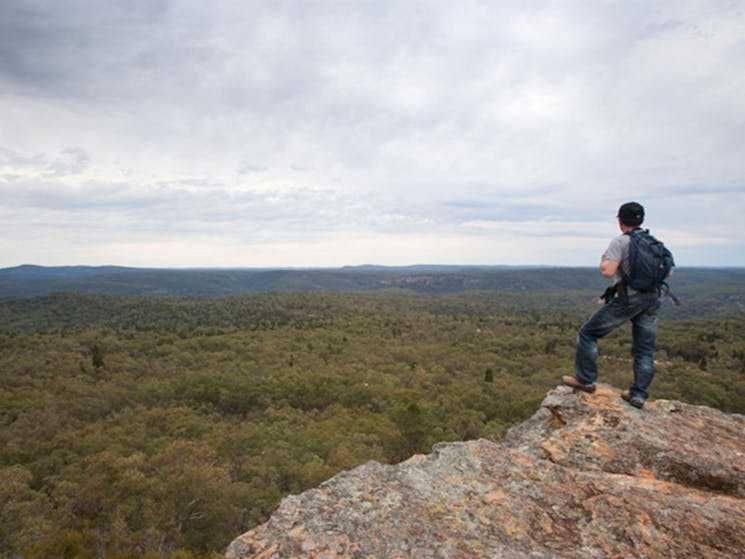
[[703, 291], [30, 280]]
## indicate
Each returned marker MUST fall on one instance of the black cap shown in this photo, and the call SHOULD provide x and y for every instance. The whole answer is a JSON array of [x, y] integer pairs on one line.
[[631, 213]]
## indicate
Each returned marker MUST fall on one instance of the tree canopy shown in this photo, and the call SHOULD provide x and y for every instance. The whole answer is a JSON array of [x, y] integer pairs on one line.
[[164, 427]]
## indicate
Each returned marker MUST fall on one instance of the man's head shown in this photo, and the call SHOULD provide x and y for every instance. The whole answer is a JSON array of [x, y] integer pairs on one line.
[[631, 214]]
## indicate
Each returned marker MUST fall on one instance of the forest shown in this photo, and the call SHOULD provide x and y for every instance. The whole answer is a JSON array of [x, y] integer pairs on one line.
[[163, 427]]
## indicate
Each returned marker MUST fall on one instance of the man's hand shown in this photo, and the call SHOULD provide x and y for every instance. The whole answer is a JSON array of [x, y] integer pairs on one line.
[[608, 294]]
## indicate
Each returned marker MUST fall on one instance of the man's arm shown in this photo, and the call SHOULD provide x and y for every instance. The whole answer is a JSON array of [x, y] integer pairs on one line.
[[609, 267]]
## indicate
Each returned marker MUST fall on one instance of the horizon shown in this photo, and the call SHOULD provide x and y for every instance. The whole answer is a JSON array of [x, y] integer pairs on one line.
[[340, 268], [326, 134]]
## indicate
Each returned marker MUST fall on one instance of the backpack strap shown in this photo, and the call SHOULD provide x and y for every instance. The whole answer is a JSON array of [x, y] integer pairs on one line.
[[621, 287], [620, 290], [667, 293]]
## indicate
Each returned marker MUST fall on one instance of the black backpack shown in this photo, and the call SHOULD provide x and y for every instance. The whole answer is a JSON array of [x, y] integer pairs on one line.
[[650, 262]]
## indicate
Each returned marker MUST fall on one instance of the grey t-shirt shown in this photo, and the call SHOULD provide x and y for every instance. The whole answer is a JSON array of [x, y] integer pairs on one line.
[[618, 250]]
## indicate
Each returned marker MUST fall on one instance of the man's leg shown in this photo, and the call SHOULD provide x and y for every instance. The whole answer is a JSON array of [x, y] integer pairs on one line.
[[606, 319], [642, 349]]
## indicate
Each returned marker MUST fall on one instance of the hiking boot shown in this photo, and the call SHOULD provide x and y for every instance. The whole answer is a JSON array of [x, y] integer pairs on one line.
[[574, 383], [633, 400]]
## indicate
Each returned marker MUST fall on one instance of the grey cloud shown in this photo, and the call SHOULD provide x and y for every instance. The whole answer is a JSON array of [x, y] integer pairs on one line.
[[189, 205], [70, 161], [657, 28], [75, 49], [248, 168]]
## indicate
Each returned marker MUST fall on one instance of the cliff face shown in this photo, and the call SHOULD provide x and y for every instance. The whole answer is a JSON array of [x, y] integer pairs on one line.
[[588, 476]]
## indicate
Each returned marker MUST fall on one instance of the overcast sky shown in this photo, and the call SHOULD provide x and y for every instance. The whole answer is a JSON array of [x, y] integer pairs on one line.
[[319, 133]]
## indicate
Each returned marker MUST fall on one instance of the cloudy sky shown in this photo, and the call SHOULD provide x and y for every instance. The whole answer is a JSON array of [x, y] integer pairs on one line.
[[186, 133]]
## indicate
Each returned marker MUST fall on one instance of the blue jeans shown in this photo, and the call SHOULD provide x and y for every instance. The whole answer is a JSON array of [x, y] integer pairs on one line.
[[641, 310]]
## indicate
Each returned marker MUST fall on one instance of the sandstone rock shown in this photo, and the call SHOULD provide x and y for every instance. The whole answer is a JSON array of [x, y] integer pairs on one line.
[[588, 476], [692, 445]]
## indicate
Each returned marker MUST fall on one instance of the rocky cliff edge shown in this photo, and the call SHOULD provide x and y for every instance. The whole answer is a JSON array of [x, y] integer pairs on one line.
[[588, 476]]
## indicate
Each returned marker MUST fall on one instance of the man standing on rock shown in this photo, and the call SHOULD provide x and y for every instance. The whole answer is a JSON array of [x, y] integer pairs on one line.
[[621, 304]]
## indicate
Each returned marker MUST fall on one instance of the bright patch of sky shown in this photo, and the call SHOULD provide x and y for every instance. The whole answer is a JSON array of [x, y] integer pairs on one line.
[[324, 133]]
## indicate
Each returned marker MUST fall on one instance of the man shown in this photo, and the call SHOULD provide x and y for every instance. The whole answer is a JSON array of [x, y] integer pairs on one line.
[[640, 307]]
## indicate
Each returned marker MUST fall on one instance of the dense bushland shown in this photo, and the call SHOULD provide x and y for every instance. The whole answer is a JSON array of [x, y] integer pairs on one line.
[[165, 427]]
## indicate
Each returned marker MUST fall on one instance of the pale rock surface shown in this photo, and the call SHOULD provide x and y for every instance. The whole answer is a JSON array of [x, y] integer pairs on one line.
[[588, 476]]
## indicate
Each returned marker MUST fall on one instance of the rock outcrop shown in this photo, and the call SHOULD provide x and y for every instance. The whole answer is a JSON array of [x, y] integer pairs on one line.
[[588, 476]]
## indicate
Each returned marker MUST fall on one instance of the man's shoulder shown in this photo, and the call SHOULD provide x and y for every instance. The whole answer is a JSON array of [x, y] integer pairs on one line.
[[621, 240], [617, 247]]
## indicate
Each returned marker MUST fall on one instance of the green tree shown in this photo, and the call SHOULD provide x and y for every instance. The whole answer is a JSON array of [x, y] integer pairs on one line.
[[97, 357]]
